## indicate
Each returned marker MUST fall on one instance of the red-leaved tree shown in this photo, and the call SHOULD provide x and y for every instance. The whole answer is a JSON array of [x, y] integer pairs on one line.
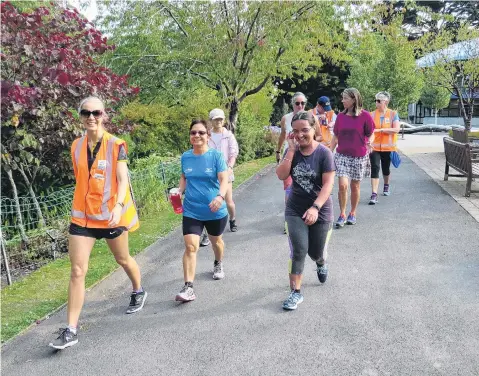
[[47, 66]]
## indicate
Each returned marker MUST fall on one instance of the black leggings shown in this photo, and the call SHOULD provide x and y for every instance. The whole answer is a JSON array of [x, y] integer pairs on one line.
[[380, 159]]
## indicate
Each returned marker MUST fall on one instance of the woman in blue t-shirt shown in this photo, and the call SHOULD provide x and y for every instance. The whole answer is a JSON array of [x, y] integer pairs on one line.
[[309, 209], [204, 180]]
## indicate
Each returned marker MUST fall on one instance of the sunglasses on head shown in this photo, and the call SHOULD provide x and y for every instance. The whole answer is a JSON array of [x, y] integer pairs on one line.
[[87, 114], [300, 103], [194, 133]]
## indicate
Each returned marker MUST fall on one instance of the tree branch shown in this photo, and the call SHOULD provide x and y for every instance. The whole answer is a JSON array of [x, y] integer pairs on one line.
[[255, 90], [176, 21]]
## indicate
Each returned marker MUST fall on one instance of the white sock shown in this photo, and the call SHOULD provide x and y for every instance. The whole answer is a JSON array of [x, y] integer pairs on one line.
[[73, 329]]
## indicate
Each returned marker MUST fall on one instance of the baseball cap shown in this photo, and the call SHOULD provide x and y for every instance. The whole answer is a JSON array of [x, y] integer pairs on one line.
[[216, 113], [324, 102]]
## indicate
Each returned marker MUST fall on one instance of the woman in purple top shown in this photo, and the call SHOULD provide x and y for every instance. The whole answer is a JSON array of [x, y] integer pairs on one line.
[[353, 132]]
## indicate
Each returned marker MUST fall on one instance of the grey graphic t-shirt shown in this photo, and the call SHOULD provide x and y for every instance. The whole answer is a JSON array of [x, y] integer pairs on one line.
[[307, 173]]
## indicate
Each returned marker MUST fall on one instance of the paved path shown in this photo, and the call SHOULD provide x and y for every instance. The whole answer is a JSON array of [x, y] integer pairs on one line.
[[402, 299], [427, 151]]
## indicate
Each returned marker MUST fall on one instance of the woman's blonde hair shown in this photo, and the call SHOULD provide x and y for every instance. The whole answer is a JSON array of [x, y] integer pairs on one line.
[[90, 98], [355, 95]]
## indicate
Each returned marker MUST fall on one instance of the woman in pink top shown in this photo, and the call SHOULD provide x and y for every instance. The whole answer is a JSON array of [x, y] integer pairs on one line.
[[353, 132]]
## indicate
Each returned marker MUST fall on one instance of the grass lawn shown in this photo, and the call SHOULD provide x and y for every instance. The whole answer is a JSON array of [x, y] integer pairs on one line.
[[43, 291]]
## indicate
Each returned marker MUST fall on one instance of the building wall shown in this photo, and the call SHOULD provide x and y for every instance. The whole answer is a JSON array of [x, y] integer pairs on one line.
[[449, 121]]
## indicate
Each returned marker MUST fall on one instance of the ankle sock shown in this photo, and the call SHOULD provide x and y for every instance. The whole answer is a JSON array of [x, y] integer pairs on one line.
[[297, 291], [217, 262], [72, 329], [189, 284], [137, 291]]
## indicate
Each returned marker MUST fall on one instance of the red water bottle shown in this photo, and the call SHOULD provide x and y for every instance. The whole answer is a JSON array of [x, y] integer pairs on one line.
[[175, 199]]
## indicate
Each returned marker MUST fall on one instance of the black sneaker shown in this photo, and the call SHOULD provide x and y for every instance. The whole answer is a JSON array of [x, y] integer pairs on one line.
[[322, 271], [233, 227], [66, 339], [204, 241], [137, 301]]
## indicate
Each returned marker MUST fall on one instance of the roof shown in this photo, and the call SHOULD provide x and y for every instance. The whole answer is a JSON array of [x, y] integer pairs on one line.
[[465, 50]]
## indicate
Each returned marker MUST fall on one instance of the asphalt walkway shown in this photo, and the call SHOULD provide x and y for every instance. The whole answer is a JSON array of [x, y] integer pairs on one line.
[[402, 298]]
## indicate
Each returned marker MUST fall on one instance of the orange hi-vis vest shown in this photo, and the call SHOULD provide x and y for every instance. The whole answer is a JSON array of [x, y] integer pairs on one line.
[[96, 190], [384, 141], [326, 135]]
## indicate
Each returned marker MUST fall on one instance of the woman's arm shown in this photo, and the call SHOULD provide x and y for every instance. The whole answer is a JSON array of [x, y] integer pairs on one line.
[[284, 168], [182, 187], [334, 143], [122, 179], [216, 203], [326, 189]]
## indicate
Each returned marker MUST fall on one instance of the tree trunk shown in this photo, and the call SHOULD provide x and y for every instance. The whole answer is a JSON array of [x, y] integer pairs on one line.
[[41, 220], [20, 225], [233, 116]]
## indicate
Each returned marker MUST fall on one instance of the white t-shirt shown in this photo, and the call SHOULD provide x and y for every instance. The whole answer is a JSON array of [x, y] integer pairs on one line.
[[288, 128]]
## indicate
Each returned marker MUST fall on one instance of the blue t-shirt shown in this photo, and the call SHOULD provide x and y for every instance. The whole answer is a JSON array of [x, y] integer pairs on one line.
[[202, 184]]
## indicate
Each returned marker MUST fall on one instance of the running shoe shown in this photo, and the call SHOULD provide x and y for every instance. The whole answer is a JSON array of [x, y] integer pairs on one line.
[[374, 199], [187, 294], [66, 339], [322, 272], [340, 222], [233, 226], [293, 300], [351, 219], [204, 240], [137, 301], [386, 191], [218, 272]]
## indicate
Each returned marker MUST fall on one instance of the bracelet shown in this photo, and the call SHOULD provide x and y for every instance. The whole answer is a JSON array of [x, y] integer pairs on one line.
[[121, 204], [218, 195]]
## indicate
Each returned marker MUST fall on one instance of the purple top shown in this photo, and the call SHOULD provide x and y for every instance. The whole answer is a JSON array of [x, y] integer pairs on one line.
[[353, 133]]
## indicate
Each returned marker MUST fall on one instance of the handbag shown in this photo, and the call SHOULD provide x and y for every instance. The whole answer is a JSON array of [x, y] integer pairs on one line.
[[395, 159]]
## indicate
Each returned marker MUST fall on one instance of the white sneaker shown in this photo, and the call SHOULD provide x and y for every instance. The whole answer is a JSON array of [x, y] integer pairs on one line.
[[187, 294], [218, 272]]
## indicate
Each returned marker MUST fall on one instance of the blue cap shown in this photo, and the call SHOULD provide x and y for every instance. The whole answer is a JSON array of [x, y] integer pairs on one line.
[[324, 102]]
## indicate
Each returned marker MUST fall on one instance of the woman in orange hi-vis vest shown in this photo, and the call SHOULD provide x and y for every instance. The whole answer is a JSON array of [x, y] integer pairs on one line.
[[386, 122], [102, 208]]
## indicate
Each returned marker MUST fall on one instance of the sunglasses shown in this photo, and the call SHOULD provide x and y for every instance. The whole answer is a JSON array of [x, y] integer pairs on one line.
[[87, 114], [194, 133], [378, 100], [300, 103]]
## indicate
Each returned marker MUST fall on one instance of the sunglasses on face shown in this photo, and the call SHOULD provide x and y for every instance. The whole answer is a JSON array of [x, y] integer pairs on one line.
[[194, 133], [87, 114], [300, 103], [303, 131], [378, 100]]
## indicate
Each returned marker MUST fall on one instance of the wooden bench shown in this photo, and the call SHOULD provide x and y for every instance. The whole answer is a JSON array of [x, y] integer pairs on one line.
[[463, 157]]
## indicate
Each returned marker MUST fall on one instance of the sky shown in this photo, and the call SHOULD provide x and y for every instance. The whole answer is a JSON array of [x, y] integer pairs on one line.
[[89, 12]]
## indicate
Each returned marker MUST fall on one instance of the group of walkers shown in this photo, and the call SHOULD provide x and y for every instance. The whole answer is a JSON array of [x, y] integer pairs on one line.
[[103, 206], [362, 144]]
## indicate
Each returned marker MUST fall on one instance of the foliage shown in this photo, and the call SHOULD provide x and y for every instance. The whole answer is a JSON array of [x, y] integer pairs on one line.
[[235, 48], [435, 97], [460, 77], [47, 63], [384, 60]]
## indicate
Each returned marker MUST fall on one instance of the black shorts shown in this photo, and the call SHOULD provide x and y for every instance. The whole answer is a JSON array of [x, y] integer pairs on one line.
[[97, 233], [216, 227]]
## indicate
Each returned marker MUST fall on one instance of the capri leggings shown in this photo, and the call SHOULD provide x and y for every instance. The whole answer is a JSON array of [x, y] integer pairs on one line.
[[303, 239], [380, 159]]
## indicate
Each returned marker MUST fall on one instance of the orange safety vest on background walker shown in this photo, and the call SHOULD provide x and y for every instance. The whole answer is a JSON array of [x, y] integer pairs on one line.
[[96, 190], [384, 141], [326, 135]]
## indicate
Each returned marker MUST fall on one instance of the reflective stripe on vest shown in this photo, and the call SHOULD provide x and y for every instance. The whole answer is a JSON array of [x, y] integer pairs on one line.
[[384, 141]]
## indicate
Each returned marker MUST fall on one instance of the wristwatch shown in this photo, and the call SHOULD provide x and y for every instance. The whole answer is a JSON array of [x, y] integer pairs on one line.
[[316, 206]]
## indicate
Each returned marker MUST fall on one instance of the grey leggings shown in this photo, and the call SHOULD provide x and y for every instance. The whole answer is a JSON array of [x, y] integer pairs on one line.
[[303, 239]]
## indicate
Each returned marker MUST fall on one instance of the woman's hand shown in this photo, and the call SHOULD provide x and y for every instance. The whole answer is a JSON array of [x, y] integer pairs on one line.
[[292, 144], [115, 216], [216, 203], [310, 216]]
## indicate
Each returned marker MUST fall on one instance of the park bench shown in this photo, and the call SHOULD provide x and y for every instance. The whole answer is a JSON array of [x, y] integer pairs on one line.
[[463, 157]]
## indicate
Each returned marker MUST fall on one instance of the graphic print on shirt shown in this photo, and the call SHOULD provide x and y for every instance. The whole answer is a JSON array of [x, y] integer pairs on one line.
[[305, 176]]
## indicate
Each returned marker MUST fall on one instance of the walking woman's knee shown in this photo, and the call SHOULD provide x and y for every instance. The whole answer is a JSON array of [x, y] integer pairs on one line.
[[78, 271], [190, 248], [343, 186], [122, 260]]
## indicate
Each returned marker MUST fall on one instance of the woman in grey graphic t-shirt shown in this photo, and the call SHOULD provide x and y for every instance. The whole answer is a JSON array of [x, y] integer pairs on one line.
[[309, 210]]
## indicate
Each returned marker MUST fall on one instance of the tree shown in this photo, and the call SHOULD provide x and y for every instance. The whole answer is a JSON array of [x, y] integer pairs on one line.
[[233, 47], [454, 66], [384, 60], [435, 97], [47, 65]]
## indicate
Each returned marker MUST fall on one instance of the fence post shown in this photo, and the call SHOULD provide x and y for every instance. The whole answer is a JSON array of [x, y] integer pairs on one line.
[[5, 259]]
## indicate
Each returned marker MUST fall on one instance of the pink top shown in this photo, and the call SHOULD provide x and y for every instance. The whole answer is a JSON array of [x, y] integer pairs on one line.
[[227, 145], [353, 133]]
